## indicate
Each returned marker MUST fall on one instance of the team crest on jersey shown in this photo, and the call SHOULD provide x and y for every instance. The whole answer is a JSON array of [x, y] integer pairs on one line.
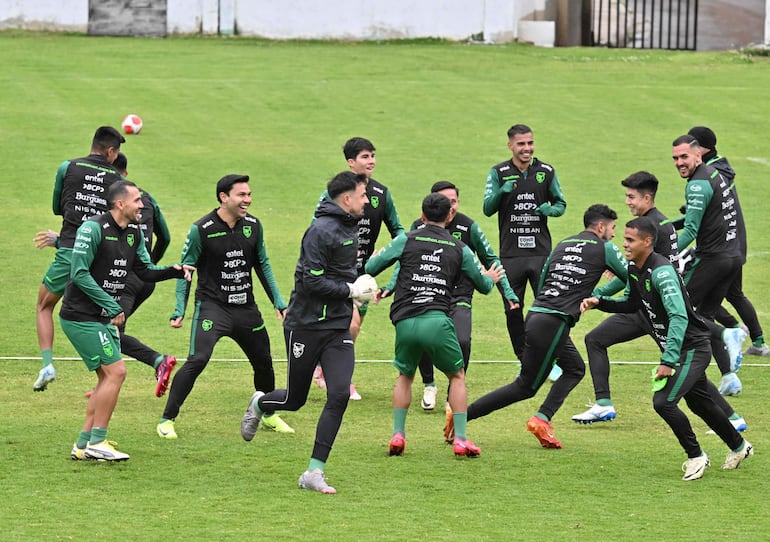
[[375, 201], [647, 285], [540, 177], [247, 231], [457, 235], [206, 325], [130, 239], [297, 349]]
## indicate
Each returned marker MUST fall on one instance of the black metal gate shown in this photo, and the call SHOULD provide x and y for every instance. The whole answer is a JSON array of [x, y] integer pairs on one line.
[[645, 24]]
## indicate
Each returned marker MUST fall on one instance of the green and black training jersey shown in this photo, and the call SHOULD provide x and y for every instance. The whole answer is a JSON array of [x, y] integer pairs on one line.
[[710, 218], [80, 192], [103, 256], [572, 271], [154, 223], [523, 201], [224, 258], [431, 263], [657, 290]]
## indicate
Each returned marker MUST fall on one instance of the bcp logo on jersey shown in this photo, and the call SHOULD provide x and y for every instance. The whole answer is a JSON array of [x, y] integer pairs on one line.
[[247, 231]]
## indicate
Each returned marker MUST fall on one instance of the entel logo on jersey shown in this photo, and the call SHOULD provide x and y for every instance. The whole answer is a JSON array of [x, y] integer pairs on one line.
[[696, 188]]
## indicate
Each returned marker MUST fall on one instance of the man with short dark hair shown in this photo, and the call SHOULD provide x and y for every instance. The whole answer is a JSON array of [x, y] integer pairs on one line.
[[225, 245], [735, 295], [711, 219], [79, 192], [655, 288], [524, 192], [107, 247], [317, 323], [432, 262], [569, 275]]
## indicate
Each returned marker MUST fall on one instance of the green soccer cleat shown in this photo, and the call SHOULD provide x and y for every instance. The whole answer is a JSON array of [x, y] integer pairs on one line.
[[166, 430], [275, 423]]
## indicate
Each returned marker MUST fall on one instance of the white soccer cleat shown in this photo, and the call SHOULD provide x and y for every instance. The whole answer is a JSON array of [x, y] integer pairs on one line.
[[695, 467], [46, 375], [596, 413], [429, 398], [734, 459], [105, 451]]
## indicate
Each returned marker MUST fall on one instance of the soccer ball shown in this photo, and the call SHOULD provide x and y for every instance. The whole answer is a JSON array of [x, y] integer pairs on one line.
[[132, 124]]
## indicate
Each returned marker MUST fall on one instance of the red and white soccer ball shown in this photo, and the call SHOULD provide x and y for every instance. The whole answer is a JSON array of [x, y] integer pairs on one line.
[[132, 124]]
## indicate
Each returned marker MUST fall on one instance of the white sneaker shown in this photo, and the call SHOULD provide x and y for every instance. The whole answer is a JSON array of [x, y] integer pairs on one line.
[[733, 338], [315, 481], [46, 375], [730, 384], [596, 413], [429, 398], [734, 459], [695, 467], [105, 451]]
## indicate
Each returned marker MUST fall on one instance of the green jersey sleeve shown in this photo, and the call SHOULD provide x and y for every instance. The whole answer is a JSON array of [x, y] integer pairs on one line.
[[472, 267], [698, 195], [161, 232], [387, 257], [57, 187], [480, 245], [492, 193], [190, 254], [557, 205], [665, 280]]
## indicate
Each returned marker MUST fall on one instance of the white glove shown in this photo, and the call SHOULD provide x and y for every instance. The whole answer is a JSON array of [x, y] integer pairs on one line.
[[363, 289]]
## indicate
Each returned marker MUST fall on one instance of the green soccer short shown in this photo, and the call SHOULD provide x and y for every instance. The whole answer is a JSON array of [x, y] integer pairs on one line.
[[98, 344], [55, 279], [432, 333]]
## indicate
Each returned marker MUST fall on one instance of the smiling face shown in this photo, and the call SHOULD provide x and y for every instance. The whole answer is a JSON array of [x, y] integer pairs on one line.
[[363, 163], [637, 202], [636, 245], [522, 147], [235, 204], [686, 159]]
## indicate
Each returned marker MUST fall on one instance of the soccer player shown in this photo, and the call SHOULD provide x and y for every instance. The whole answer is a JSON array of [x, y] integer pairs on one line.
[[107, 248], [524, 192], [154, 228], [317, 322], [225, 245], [467, 230], [360, 155], [79, 193], [432, 262], [655, 288], [570, 274], [640, 188], [708, 142], [711, 219]]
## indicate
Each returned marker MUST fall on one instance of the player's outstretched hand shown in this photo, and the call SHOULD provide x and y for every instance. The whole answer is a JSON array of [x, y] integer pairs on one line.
[[588, 303], [45, 239], [119, 319], [496, 271]]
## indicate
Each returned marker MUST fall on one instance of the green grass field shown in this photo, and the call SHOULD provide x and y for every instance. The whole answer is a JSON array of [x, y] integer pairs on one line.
[[280, 112]]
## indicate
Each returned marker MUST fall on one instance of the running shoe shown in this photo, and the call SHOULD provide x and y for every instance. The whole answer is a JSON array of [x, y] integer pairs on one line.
[[315, 480], [163, 375], [273, 422], [397, 445], [543, 431], [734, 459], [695, 467], [46, 375], [596, 413]]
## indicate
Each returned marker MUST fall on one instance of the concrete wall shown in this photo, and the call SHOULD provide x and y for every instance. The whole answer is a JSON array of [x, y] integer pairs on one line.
[[298, 19]]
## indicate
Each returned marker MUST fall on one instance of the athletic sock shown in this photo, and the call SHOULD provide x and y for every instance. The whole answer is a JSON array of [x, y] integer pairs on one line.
[[543, 417], [431, 383], [316, 464], [158, 360], [741, 447], [604, 402], [47, 355], [460, 420], [735, 416], [98, 434], [399, 420], [83, 439]]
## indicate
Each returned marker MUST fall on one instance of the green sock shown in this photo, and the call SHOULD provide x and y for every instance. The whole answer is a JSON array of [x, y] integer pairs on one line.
[[83, 439], [157, 360], [461, 424], [164, 420], [316, 464], [47, 357], [543, 416], [759, 341], [431, 383], [604, 402], [735, 416], [399, 421], [741, 447], [98, 434]]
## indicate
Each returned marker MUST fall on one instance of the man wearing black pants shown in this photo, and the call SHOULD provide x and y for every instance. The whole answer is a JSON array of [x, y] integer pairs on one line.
[[711, 219], [524, 192], [569, 275], [683, 337], [317, 322]]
